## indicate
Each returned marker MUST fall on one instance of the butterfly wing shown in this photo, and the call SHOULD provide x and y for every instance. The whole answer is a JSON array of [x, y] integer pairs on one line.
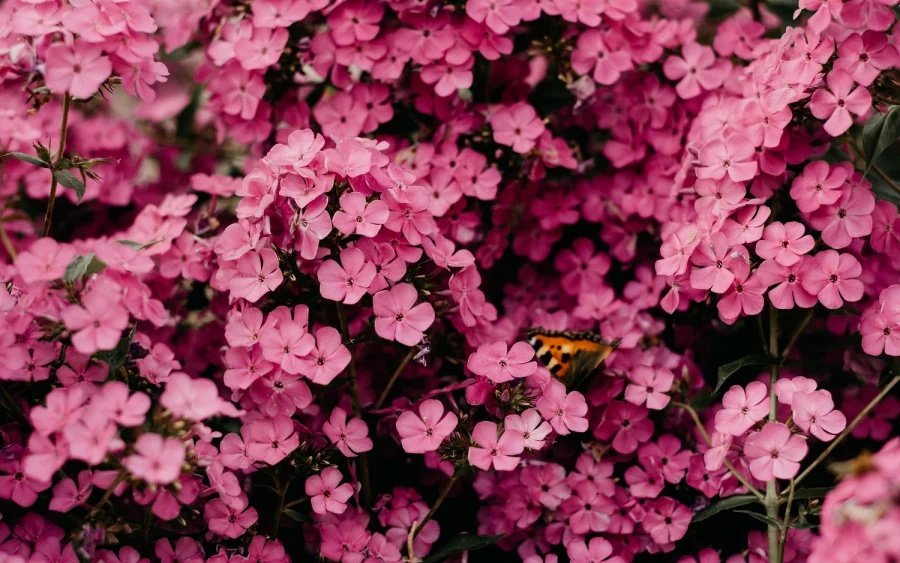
[[570, 356]]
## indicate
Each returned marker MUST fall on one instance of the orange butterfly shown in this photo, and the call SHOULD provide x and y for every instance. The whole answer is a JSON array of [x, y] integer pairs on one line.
[[570, 356]]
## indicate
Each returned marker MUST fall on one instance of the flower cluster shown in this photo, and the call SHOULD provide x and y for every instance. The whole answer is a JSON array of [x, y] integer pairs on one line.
[[329, 272]]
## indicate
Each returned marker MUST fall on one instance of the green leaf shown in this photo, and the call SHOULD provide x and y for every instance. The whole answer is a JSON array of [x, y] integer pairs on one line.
[[462, 542], [729, 369], [296, 516], [30, 159], [117, 357], [812, 492], [726, 503], [762, 518], [81, 267], [880, 133], [70, 181]]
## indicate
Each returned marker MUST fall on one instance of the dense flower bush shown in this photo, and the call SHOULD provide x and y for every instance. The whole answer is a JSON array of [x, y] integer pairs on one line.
[[270, 270]]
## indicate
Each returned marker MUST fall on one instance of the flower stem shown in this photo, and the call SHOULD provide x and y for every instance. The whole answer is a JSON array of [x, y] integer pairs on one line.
[[437, 504], [696, 418], [396, 375], [364, 477], [48, 216], [771, 500], [853, 424]]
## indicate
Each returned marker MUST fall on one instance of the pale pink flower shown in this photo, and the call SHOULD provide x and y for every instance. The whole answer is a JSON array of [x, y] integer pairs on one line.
[[649, 386], [397, 317], [814, 413], [424, 432], [774, 453], [348, 280], [45, 260], [351, 437], [79, 68], [157, 459], [500, 452], [840, 100], [834, 278], [257, 274], [566, 412], [326, 493], [743, 407], [499, 364]]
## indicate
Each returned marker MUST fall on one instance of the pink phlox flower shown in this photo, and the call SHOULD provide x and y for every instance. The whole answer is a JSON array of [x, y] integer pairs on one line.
[[326, 492], [397, 317], [814, 413], [499, 451], [424, 432], [157, 459], [566, 412], [774, 452], [500, 364], [743, 407], [351, 437]]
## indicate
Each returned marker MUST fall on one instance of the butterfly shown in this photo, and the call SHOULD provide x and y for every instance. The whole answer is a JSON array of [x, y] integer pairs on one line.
[[570, 356]]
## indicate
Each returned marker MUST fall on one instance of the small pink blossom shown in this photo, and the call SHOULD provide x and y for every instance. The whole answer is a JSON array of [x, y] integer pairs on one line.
[[774, 453], [397, 317], [424, 432], [491, 450], [498, 364], [351, 437], [326, 493], [157, 459], [743, 407]]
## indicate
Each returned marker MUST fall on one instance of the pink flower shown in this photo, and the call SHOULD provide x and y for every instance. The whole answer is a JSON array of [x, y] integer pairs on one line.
[[833, 278], [743, 408], [744, 296], [814, 413], [257, 274], [774, 453], [713, 258], [847, 219], [348, 281], [784, 242], [837, 102], [498, 15], [270, 440], [491, 450], [530, 425], [788, 291], [666, 520], [287, 345], [880, 332], [45, 260], [588, 510], [697, 70], [818, 185], [425, 432], [261, 50], [192, 398], [865, 56], [326, 359], [124, 408], [499, 365], [649, 386], [517, 126], [230, 520], [326, 493], [356, 217], [78, 69], [68, 495], [598, 550], [564, 411], [352, 437], [157, 460], [732, 157], [397, 317], [595, 56], [97, 323], [628, 425]]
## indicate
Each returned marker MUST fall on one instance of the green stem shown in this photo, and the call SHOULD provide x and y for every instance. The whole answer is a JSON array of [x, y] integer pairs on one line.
[[106, 495], [437, 504], [853, 424], [771, 500], [786, 523], [51, 203], [394, 377], [364, 477], [696, 418]]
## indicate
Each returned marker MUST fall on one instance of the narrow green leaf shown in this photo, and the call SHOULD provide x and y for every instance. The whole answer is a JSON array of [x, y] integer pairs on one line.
[[30, 159], [880, 133], [812, 492], [762, 518], [462, 542], [296, 516], [70, 181], [82, 267], [729, 369], [726, 503], [117, 357]]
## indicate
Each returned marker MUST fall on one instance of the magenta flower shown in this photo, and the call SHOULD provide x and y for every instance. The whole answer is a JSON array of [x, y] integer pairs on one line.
[[397, 317], [666, 520], [818, 185], [587, 509], [348, 281], [732, 157], [157, 459], [814, 413], [598, 550], [97, 323], [262, 49], [865, 56], [774, 452], [713, 259], [270, 440], [788, 291], [696, 70], [530, 425], [743, 407], [847, 219], [327, 359], [837, 102], [784, 242], [231, 520], [326, 493], [498, 15], [45, 260], [880, 333], [357, 217], [424, 432], [287, 345], [628, 425], [498, 364], [564, 411], [595, 56], [493, 450], [517, 126], [649, 386], [257, 274], [351, 437], [833, 278], [79, 68]]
